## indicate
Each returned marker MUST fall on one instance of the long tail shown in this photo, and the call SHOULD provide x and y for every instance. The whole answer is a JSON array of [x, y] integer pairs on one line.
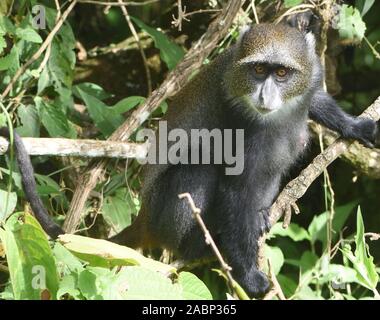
[[30, 187]]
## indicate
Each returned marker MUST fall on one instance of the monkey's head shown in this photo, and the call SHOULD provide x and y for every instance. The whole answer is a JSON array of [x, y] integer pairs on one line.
[[274, 68]]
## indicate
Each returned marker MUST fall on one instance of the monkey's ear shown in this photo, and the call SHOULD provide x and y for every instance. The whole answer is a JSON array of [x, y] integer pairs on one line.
[[310, 42], [243, 30]]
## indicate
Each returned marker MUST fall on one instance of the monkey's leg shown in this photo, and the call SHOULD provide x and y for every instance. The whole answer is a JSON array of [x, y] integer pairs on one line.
[[327, 112], [166, 220], [170, 218], [245, 219]]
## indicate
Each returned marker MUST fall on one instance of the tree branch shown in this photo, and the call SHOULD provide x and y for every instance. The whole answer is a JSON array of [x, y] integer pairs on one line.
[[79, 148]]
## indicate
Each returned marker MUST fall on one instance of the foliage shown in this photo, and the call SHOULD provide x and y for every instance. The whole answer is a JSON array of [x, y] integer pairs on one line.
[[312, 259]]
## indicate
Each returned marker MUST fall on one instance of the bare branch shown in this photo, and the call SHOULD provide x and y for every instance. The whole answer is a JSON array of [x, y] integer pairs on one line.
[[141, 49], [296, 188], [210, 241], [79, 148]]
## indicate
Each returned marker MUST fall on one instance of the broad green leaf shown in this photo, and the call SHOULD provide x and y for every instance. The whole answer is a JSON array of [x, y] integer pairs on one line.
[[92, 89], [192, 287], [318, 227], [350, 25], [275, 256], [106, 120], [288, 285], [66, 260], [307, 262], [338, 274], [306, 293], [8, 202], [31, 264], [118, 209], [28, 34], [10, 61], [69, 285], [127, 104], [30, 122], [364, 5], [293, 231], [135, 283], [142, 284], [170, 52], [361, 259], [54, 119], [102, 253]]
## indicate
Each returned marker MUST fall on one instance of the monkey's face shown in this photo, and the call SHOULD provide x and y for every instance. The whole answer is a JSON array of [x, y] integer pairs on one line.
[[274, 69]]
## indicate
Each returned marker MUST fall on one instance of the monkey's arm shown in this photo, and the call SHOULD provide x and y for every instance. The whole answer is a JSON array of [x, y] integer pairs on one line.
[[29, 185], [327, 112]]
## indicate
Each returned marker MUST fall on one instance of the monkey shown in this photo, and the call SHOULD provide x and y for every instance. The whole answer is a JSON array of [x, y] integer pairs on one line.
[[269, 83]]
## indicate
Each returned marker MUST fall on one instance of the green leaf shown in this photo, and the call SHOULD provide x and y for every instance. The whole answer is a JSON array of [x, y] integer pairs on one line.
[[192, 287], [54, 119], [127, 104], [338, 274], [28, 34], [364, 5], [350, 25], [307, 262], [92, 89], [69, 286], [318, 227], [102, 253], [8, 202], [118, 209], [30, 260], [30, 121], [288, 285], [293, 231], [10, 61], [142, 284], [170, 52], [105, 118], [68, 262], [275, 256], [361, 259], [292, 3]]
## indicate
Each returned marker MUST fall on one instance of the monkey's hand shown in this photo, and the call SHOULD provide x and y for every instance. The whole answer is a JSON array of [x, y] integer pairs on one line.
[[365, 131]]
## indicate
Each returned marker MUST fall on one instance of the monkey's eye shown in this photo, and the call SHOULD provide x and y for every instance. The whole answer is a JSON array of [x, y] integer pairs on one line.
[[281, 72], [260, 69]]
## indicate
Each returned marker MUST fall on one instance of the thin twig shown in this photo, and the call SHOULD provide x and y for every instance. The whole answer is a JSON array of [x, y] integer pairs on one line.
[[276, 289], [142, 52], [210, 241]]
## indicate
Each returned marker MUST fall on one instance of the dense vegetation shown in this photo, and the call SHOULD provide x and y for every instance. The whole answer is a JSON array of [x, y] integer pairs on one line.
[[88, 80]]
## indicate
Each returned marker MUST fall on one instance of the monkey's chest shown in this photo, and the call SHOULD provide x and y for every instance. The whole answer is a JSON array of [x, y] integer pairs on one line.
[[278, 151]]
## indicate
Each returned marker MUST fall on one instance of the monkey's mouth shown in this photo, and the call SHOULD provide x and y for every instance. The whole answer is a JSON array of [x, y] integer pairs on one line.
[[263, 109]]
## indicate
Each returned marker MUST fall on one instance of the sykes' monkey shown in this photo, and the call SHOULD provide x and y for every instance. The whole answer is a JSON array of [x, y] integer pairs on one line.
[[268, 84]]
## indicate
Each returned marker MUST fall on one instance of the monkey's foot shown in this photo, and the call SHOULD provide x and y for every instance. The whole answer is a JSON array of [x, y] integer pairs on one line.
[[255, 283], [264, 222]]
